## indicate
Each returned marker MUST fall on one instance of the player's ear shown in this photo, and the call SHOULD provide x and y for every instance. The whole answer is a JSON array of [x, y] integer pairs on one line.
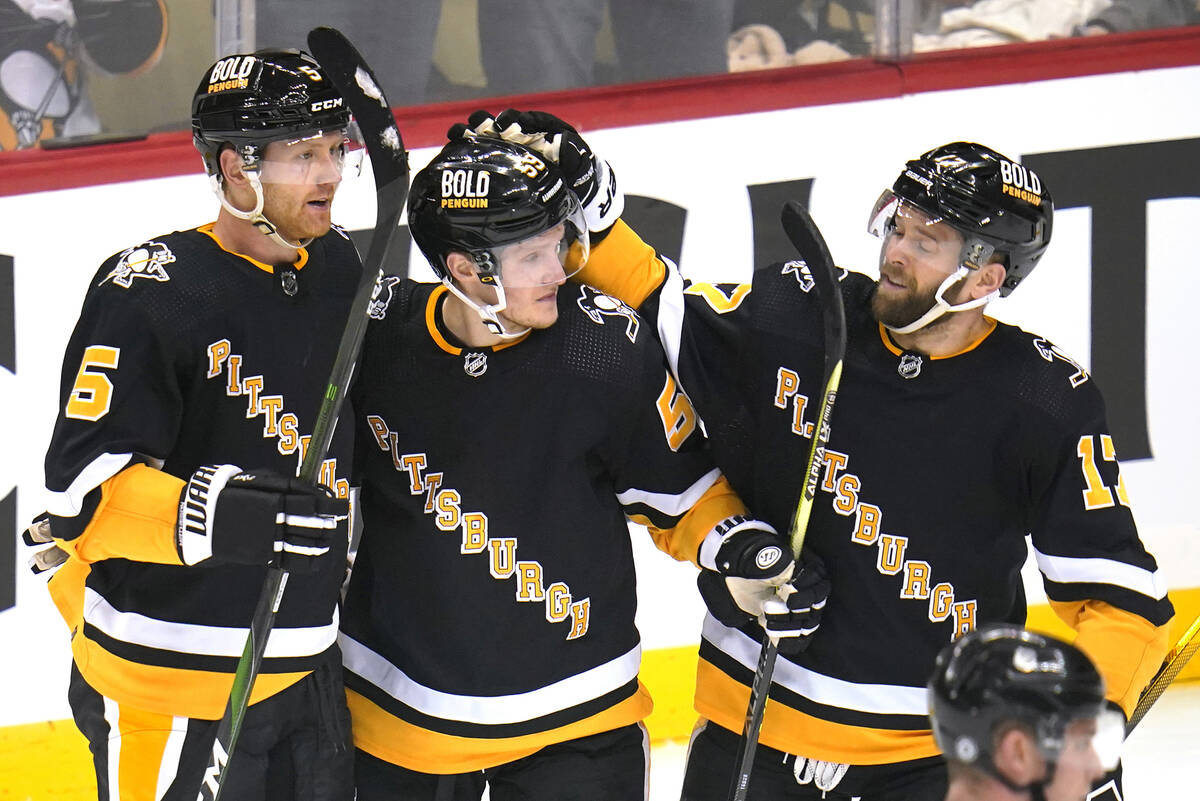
[[460, 266], [232, 173], [988, 279], [1016, 756]]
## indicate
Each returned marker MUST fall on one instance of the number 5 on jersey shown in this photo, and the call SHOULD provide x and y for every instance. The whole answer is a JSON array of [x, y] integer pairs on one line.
[[678, 416], [91, 395]]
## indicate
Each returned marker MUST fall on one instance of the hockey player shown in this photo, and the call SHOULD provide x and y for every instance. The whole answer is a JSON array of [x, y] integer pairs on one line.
[[955, 436], [197, 354], [1021, 715], [507, 424]]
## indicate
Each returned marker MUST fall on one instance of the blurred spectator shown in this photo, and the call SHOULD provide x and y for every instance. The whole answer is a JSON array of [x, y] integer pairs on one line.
[[949, 25], [1137, 15], [771, 33], [542, 45], [395, 37], [46, 49]]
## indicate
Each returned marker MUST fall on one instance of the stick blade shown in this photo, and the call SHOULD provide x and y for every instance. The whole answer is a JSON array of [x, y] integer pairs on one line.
[[358, 85]]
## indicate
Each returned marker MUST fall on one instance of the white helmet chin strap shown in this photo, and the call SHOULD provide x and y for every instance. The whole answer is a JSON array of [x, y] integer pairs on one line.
[[940, 306], [488, 313], [254, 216]]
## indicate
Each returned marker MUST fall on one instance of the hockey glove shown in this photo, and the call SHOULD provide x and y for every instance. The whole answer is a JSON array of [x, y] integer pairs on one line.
[[795, 613], [745, 564], [590, 177], [257, 518]]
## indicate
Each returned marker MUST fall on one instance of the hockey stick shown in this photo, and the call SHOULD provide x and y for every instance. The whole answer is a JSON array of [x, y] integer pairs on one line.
[[1176, 660], [807, 239], [389, 163]]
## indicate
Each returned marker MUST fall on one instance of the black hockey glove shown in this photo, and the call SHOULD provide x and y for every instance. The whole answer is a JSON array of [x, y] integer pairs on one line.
[[794, 615], [590, 177], [750, 563], [257, 518]]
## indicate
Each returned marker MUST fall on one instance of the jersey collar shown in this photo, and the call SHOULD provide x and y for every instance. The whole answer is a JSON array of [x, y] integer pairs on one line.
[[301, 253]]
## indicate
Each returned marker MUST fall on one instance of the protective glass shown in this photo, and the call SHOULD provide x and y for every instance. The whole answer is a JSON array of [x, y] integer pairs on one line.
[[547, 258], [972, 253], [316, 157]]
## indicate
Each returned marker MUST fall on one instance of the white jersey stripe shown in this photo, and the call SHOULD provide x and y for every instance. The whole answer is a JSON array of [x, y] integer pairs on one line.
[[878, 699], [670, 315], [1093, 570], [489, 710], [168, 768], [192, 638], [69, 502], [672, 505], [112, 749]]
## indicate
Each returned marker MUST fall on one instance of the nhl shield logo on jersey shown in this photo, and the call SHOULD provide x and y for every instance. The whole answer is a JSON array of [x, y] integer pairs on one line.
[[141, 261], [1049, 351], [910, 365], [475, 363], [597, 305], [381, 296]]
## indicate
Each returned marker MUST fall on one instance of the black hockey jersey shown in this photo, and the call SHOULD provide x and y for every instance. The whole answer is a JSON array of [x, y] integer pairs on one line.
[[187, 354], [935, 472], [490, 611]]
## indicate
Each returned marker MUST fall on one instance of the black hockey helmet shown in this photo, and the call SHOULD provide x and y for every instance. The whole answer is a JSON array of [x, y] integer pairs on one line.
[[1001, 673], [479, 194], [1000, 207], [249, 100]]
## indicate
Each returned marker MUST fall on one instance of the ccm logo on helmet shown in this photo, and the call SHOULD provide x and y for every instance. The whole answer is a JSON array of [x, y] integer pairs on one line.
[[231, 73], [465, 189], [1021, 182], [325, 105]]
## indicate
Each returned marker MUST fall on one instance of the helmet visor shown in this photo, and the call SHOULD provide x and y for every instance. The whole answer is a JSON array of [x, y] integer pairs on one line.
[[927, 235], [1089, 741], [547, 258], [316, 157]]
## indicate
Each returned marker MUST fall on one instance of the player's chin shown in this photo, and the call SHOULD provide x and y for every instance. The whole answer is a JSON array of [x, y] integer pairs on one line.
[[545, 319]]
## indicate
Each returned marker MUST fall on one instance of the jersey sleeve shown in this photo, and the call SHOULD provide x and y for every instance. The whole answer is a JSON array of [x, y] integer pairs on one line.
[[120, 402], [664, 473], [1098, 576], [702, 327]]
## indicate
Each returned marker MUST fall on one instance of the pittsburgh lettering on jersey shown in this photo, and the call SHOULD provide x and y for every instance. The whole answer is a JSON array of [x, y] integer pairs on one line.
[[891, 550], [147, 260], [278, 424], [445, 505]]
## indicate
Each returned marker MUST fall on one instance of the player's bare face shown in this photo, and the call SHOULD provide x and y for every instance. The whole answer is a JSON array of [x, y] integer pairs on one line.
[[917, 256], [299, 181], [532, 271]]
